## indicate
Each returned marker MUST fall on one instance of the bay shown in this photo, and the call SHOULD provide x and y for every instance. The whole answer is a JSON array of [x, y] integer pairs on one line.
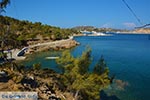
[[127, 56]]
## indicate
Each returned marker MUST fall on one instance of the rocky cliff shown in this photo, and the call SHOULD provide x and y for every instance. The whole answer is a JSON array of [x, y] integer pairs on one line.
[[142, 30]]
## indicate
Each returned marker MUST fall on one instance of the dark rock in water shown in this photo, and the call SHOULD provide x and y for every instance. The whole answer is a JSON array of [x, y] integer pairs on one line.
[[120, 84], [104, 96]]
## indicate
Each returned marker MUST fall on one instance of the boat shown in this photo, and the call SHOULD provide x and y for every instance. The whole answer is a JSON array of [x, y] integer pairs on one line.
[[51, 57]]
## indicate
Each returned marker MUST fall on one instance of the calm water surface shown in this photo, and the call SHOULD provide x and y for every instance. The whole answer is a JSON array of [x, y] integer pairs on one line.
[[127, 56]]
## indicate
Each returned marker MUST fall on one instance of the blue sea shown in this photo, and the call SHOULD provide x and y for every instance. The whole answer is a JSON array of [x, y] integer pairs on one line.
[[127, 56]]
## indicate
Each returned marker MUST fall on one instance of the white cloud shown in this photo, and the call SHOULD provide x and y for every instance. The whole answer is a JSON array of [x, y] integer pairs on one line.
[[129, 25], [106, 25]]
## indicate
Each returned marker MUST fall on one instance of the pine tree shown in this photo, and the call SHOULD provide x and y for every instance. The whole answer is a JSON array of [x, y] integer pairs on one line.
[[101, 67], [77, 78]]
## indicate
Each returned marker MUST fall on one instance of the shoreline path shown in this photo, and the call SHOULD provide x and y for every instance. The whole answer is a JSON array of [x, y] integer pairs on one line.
[[16, 52]]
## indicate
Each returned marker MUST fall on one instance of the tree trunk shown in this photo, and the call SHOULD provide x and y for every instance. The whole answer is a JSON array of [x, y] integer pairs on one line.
[[76, 95]]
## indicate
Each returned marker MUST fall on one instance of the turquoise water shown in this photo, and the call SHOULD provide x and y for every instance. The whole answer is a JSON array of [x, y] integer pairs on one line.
[[127, 56]]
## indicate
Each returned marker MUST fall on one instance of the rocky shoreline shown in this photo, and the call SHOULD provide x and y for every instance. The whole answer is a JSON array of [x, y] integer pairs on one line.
[[43, 81], [56, 45], [40, 46]]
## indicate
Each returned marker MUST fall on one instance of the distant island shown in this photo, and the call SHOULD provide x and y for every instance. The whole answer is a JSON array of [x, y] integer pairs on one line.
[[107, 30], [92, 28]]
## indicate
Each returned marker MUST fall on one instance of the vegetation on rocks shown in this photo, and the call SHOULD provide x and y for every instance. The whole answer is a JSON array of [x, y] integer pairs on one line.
[[43, 81], [20, 32], [76, 77], [75, 81]]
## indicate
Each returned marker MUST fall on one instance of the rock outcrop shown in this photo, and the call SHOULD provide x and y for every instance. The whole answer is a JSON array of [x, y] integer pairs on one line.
[[44, 81], [142, 30], [56, 45]]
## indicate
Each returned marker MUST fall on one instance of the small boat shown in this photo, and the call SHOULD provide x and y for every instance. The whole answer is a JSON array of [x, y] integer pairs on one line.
[[71, 37], [51, 57]]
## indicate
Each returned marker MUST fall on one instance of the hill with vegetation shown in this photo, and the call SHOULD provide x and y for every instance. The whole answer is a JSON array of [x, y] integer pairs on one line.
[[91, 28], [18, 33]]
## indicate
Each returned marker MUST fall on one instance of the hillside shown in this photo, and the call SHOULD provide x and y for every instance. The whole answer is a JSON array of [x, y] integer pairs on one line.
[[92, 28], [142, 30], [19, 32]]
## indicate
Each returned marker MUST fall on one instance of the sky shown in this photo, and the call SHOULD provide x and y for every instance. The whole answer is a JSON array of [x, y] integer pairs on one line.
[[71, 13]]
